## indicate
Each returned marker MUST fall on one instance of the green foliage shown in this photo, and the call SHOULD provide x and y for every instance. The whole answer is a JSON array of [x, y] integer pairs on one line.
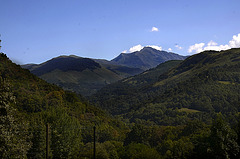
[[171, 121], [222, 140], [196, 89], [238, 131], [182, 148], [65, 134], [70, 117], [125, 92], [37, 128], [14, 136], [139, 151], [137, 135], [106, 150], [193, 127]]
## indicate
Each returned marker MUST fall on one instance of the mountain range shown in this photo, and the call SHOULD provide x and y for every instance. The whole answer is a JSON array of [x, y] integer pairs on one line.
[[179, 109], [86, 76]]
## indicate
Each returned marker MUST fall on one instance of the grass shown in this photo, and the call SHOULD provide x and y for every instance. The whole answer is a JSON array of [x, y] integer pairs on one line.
[[225, 82], [187, 110]]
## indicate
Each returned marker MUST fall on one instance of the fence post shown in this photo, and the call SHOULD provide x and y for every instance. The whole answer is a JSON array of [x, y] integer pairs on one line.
[[94, 142], [47, 141]]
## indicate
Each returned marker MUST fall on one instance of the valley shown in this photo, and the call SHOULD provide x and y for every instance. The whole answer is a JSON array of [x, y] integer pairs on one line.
[[178, 109], [122, 79]]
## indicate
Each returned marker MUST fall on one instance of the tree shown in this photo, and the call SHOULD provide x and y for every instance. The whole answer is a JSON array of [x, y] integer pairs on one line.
[[139, 151], [13, 129], [193, 127], [66, 138], [238, 133], [138, 134], [38, 130], [223, 140]]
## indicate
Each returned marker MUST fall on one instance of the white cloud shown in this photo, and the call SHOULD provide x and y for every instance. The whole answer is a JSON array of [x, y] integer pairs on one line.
[[196, 47], [169, 49], [155, 47], [136, 48], [179, 47], [154, 29], [124, 51], [234, 43], [140, 47], [214, 46], [212, 43]]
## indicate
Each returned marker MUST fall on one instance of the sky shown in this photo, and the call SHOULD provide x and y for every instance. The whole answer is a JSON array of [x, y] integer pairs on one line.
[[34, 31]]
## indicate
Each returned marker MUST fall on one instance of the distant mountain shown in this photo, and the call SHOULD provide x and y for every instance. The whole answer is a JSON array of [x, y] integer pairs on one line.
[[197, 88], [64, 63], [81, 75], [86, 76], [146, 58], [121, 70]]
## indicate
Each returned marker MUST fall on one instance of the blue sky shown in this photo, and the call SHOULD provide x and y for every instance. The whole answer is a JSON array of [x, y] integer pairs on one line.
[[33, 31]]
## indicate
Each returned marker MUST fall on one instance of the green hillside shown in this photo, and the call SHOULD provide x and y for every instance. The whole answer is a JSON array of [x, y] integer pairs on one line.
[[33, 103], [189, 111], [85, 82], [80, 75], [124, 90], [27, 103], [200, 86]]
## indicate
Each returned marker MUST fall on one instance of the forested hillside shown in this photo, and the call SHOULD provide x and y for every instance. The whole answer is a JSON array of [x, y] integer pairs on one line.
[[128, 87], [28, 103], [200, 86], [151, 130]]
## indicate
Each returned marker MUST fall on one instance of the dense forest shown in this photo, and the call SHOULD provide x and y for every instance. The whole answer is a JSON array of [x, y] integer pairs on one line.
[[197, 88], [28, 103], [190, 109]]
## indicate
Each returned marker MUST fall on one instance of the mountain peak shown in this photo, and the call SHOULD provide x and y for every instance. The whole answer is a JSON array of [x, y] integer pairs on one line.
[[149, 47], [146, 58]]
